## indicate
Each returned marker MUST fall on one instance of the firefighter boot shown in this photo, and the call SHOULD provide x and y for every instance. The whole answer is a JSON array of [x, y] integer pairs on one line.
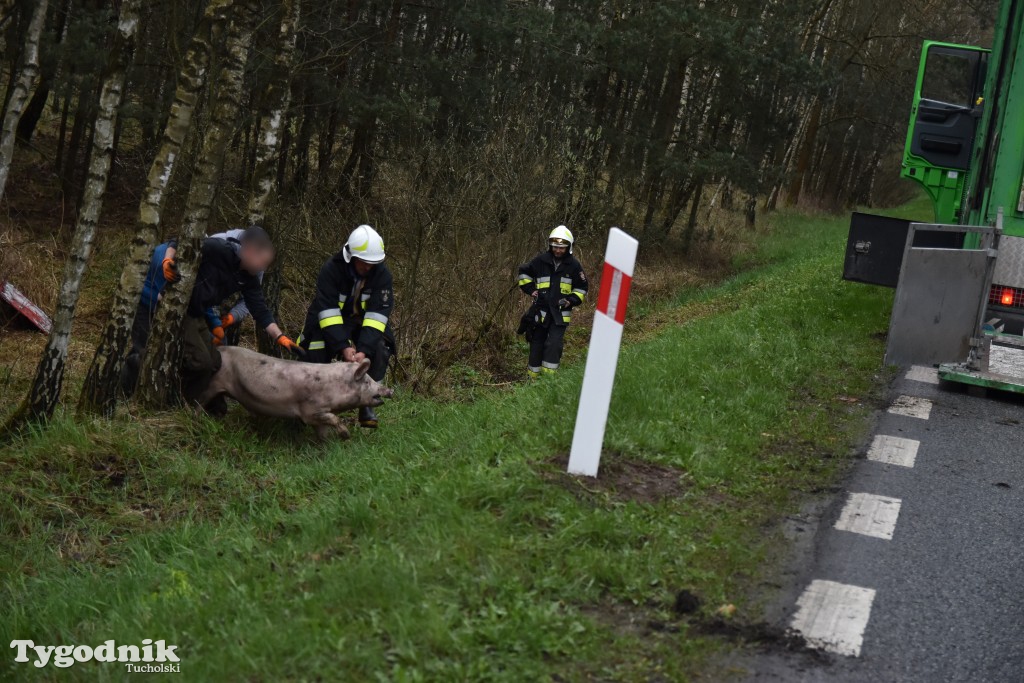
[[367, 417]]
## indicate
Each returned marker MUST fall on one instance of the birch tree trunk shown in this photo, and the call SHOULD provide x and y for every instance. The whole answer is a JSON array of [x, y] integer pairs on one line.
[[45, 391], [103, 380], [159, 383], [268, 144], [24, 85], [268, 152]]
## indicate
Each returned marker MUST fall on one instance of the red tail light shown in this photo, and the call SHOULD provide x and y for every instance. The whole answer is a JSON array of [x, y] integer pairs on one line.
[[1010, 297]]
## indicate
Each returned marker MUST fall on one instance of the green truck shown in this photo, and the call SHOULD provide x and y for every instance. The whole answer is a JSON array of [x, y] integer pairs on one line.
[[965, 146]]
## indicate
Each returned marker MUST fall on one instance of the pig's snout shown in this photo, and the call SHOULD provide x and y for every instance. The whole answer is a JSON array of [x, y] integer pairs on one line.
[[383, 392]]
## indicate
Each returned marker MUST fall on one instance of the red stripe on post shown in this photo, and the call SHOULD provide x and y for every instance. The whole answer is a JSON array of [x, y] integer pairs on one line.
[[606, 287], [614, 296]]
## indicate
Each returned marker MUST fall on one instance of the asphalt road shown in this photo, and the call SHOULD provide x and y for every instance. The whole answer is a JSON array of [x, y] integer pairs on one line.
[[948, 586]]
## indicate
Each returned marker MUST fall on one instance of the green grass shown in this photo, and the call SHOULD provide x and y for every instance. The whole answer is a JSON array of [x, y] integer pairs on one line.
[[449, 546]]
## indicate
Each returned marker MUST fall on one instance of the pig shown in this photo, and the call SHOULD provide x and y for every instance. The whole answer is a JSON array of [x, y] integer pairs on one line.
[[310, 392]]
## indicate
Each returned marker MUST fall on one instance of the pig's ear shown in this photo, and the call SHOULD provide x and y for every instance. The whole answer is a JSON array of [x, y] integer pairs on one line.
[[363, 368]]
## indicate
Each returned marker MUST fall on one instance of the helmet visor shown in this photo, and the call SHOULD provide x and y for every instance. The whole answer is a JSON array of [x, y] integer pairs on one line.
[[558, 242]]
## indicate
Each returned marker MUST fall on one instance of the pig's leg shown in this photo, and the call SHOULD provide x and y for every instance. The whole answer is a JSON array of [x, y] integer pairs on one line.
[[325, 423]]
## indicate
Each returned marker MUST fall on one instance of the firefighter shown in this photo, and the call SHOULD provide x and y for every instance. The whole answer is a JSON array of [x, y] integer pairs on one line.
[[227, 267], [556, 282], [349, 315]]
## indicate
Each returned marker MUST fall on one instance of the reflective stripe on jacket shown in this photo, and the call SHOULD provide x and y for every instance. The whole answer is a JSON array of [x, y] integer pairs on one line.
[[554, 282], [347, 309]]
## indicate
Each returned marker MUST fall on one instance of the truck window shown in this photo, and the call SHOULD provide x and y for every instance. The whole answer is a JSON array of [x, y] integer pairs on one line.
[[948, 78]]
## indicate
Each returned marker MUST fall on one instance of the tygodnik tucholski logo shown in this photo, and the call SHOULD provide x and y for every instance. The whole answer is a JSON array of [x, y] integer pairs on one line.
[[153, 657]]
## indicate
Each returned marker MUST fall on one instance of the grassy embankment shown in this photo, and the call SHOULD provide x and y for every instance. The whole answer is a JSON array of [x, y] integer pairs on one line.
[[449, 546]]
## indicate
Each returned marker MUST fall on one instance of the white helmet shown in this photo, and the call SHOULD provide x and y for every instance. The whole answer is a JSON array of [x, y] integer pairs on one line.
[[561, 237], [365, 244]]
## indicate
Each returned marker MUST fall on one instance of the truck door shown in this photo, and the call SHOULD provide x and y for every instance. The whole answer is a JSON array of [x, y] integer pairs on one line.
[[946, 106]]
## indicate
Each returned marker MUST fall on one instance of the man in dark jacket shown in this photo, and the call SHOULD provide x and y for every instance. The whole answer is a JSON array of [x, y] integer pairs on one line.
[[349, 317], [557, 283], [227, 267]]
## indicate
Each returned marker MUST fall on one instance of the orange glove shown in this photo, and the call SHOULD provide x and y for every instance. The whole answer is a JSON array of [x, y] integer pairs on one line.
[[291, 346], [218, 336], [170, 268], [228, 320]]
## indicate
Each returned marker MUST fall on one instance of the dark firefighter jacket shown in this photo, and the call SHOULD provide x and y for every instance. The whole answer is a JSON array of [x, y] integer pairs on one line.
[[349, 309], [220, 275], [554, 282]]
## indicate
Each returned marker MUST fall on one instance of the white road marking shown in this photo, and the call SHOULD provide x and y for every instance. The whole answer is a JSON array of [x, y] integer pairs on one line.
[[911, 406], [920, 373], [832, 616], [870, 515], [892, 450]]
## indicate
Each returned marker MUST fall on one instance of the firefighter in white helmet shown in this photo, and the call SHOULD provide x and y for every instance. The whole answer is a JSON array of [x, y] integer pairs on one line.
[[556, 282], [349, 317]]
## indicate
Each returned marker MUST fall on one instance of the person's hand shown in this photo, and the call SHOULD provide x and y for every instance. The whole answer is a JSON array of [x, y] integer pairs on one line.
[[564, 304], [287, 343], [350, 355], [228, 321], [218, 335], [170, 268], [535, 293]]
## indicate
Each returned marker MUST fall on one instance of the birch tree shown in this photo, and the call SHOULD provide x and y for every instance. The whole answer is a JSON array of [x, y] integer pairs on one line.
[[24, 85], [102, 382], [268, 151], [278, 94], [45, 391], [159, 382]]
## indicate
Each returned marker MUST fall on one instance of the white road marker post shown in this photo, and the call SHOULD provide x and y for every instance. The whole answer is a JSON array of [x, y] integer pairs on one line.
[[603, 356]]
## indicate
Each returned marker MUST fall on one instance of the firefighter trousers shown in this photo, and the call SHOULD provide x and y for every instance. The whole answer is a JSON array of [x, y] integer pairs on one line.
[[546, 347]]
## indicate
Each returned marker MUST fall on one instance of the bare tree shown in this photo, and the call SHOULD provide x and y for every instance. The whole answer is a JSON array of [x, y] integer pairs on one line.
[[99, 394], [45, 391], [159, 381], [24, 84]]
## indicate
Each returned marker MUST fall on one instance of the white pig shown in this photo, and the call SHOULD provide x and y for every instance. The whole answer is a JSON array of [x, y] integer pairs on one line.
[[311, 392]]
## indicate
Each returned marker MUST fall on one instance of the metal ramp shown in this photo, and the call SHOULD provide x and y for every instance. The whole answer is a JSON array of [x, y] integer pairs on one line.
[[941, 295]]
